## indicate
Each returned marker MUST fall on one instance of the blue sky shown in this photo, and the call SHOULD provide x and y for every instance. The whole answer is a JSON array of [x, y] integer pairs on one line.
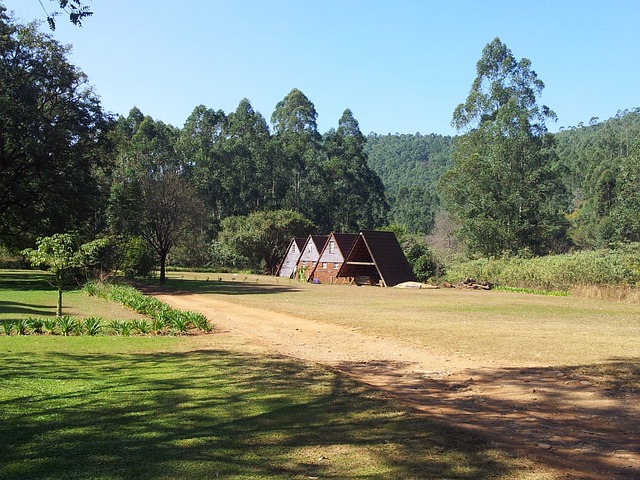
[[400, 66]]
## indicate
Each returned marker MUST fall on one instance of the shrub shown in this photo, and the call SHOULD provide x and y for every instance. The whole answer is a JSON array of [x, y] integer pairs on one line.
[[36, 324], [68, 325], [607, 267], [7, 326], [92, 325], [50, 324]]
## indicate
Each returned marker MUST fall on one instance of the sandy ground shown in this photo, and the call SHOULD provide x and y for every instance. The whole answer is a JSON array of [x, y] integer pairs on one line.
[[567, 422]]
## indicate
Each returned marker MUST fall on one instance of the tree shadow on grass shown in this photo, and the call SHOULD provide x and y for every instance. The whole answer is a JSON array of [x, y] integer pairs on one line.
[[215, 414], [19, 308], [25, 280]]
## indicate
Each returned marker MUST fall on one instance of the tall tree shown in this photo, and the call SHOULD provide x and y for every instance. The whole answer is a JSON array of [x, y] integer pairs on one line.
[[296, 133], [356, 197], [248, 143], [51, 126], [199, 147], [503, 188], [169, 208]]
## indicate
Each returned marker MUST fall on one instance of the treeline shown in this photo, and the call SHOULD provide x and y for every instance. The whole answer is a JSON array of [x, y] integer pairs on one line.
[[223, 181], [66, 165], [598, 162]]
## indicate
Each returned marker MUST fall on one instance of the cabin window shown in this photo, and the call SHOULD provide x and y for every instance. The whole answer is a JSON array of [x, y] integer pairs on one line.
[[332, 246], [336, 266], [311, 247], [324, 265], [288, 262], [293, 248]]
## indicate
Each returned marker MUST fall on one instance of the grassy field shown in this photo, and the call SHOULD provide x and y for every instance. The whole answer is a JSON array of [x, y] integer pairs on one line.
[[159, 408], [29, 294], [495, 328]]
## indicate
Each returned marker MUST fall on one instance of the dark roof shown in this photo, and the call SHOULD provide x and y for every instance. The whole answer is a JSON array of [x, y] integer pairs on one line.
[[318, 240], [345, 241], [376, 252]]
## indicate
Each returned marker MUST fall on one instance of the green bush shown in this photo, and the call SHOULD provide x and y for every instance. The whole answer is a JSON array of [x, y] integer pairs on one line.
[[7, 326], [92, 325], [68, 325], [607, 267]]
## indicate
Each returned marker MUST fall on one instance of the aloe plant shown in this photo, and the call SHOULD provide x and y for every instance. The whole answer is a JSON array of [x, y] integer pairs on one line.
[[35, 324], [92, 325], [50, 325], [7, 326], [68, 325], [141, 326]]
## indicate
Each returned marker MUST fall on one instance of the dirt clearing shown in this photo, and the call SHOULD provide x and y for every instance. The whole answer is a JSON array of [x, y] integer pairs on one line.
[[574, 420]]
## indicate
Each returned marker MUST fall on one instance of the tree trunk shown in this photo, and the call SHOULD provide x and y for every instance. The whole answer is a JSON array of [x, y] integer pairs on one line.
[[163, 267], [59, 307]]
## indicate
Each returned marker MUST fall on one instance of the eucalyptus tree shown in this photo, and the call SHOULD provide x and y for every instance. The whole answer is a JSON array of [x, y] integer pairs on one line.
[[356, 195], [256, 183], [200, 150], [299, 145], [51, 131], [503, 189]]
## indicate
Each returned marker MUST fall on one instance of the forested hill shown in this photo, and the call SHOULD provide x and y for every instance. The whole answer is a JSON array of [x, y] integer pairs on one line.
[[599, 163], [410, 167]]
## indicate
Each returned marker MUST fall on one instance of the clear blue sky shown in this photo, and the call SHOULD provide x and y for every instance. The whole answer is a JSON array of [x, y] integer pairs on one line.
[[400, 66]]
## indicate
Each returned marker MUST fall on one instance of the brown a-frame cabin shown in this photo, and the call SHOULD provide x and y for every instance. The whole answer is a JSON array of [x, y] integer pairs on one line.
[[332, 257], [377, 257], [287, 267]]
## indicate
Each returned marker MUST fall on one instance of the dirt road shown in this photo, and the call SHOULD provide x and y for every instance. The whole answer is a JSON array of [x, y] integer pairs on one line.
[[568, 422]]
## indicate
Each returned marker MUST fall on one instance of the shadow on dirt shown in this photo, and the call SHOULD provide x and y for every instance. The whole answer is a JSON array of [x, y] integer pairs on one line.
[[582, 419], [181, 286]]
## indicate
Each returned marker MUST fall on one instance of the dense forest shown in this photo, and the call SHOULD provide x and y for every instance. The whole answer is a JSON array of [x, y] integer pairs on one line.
[[228, 188]]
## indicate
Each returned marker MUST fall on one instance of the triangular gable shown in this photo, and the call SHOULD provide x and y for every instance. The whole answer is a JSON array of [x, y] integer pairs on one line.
[[312, 247], [311, 252], [292, 254], [378, 255], [336, 249]]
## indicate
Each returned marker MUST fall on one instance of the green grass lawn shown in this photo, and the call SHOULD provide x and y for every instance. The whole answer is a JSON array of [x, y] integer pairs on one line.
[[26, 294], [148, 408], [112, 407]]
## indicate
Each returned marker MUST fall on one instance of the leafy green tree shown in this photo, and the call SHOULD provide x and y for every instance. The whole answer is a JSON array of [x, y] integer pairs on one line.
[[263, 236], [51, 132], [60, 255], [504, 189], [298, 144], [77, 10], [356, 194]]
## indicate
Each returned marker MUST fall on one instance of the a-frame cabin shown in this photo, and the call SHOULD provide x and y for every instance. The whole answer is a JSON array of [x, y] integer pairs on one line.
[[310, 253], [377, 258], [332, 257], [287, 267]]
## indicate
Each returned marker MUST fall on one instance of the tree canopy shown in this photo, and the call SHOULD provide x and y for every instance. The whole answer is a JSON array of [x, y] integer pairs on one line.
[[51, 132], [503, 188]]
